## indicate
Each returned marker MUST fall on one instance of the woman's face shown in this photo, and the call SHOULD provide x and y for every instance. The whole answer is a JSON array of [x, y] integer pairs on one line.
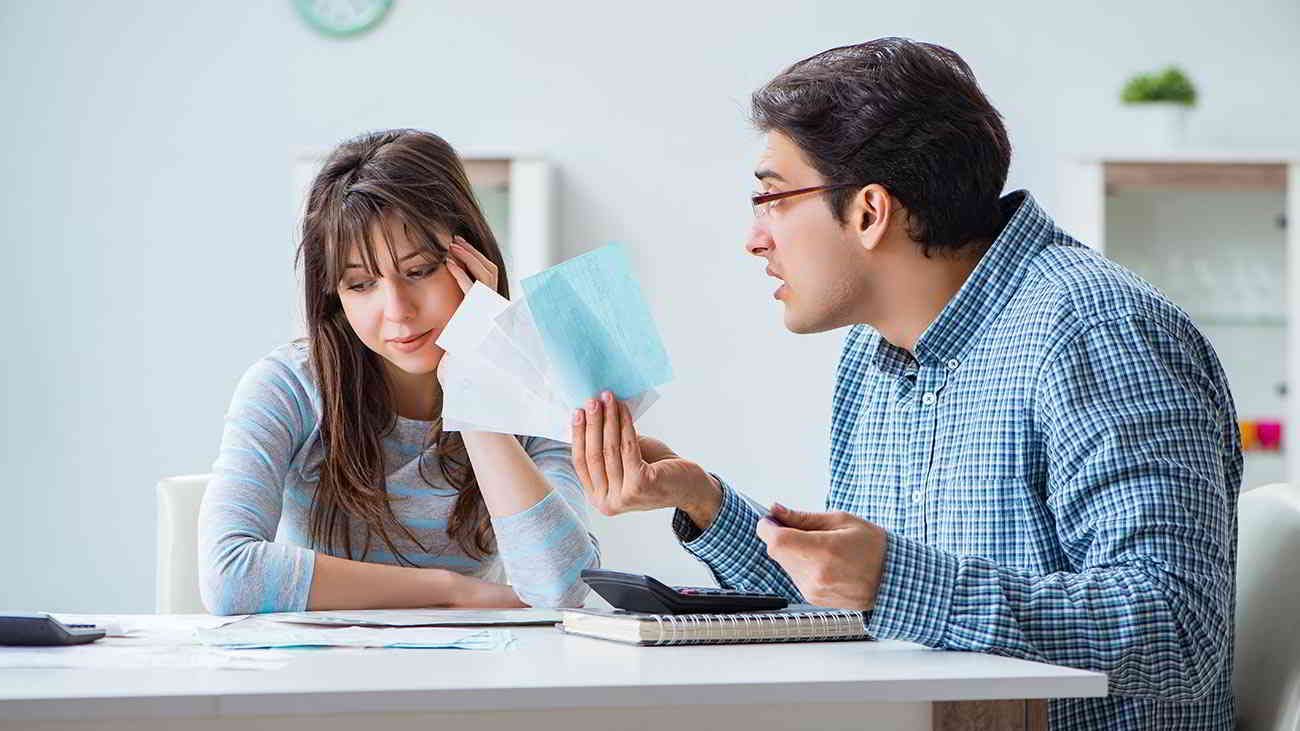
[[402, 310]]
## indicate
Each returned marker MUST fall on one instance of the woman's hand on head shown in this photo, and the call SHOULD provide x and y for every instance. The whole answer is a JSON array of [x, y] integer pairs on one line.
[[468, 265]]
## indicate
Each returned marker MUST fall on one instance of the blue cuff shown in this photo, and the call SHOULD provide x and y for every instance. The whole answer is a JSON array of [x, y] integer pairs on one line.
[[914, 600], [716, 545]]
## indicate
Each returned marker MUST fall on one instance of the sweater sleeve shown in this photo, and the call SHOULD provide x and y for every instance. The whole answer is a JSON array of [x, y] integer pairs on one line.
[[545, 548], [241, 569]]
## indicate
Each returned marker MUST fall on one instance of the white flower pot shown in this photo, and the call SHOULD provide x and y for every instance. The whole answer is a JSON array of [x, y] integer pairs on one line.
[[1157, 126]]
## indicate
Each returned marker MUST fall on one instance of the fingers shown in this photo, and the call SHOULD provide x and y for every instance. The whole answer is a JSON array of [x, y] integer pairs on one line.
[[605, 450], [458, 273], [478, 265], [786, 532], [789, 547], [594, 452], [611, 442], [474, 254], [580, 458], [808, 521], [629, 446]]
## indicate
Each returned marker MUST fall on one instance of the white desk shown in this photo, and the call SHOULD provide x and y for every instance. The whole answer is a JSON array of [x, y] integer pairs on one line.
[[553, 681]]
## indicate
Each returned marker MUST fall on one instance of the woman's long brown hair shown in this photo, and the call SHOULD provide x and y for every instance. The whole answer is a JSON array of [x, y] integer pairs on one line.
[[405, 180]]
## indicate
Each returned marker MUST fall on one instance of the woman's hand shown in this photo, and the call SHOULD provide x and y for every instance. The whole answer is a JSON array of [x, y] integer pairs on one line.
[[468, 265], [468, 592]]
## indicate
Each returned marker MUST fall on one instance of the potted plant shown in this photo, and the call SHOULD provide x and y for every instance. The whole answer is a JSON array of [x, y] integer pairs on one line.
[[1160, 103]]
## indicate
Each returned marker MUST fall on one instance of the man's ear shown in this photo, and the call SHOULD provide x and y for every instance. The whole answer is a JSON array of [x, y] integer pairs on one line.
[[870, 213]]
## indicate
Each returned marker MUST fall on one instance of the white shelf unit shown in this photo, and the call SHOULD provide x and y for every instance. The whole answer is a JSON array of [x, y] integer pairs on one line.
[[1219, 232]]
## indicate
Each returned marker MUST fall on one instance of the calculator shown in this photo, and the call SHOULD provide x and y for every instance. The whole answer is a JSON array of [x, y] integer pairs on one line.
[[644, 594], [42, 629]]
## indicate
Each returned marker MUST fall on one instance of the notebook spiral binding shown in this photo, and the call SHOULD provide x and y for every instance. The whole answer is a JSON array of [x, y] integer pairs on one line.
[[699, 629]]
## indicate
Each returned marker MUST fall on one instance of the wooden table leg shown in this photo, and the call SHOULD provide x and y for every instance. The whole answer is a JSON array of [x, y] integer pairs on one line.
[[1022, 715]]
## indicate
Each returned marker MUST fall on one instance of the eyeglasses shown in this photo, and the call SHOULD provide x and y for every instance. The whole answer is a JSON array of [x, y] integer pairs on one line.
[[762, 202]]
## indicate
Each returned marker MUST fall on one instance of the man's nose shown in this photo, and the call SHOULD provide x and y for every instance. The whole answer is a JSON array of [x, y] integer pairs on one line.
[[759, 242]]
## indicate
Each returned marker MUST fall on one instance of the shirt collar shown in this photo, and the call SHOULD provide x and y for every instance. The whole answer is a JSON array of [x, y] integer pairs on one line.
[[991, 284]]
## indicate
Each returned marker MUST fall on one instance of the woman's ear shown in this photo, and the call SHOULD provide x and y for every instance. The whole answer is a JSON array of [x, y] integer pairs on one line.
[[871, 211]]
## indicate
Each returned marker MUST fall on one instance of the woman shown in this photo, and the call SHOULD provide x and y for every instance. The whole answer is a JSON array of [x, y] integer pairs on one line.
[[335, 488]]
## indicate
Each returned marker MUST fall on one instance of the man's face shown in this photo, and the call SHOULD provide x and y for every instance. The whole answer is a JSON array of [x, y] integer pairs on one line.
[[819, 260]]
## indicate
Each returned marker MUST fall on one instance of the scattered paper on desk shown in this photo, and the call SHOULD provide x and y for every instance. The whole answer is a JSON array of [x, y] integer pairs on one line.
[[99, 656], [420, 617], [522, 367], [142, 642], [258, 633], [147, 629]]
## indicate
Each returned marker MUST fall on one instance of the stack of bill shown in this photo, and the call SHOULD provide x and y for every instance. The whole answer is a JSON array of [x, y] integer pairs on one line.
[[522, 367]]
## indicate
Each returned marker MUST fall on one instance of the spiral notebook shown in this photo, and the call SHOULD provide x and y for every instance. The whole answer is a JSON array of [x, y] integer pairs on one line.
[[798, 623]]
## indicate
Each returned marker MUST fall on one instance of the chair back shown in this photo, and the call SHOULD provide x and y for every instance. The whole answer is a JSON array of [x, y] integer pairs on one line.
[[1266, 677], [177, 584]]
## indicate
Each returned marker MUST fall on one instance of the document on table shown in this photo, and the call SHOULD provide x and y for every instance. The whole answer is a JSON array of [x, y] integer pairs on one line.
[[420, 617], [98, 656], [259, 633], [142, 642]]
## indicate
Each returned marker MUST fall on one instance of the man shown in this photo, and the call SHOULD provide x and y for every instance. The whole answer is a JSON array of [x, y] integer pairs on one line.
[[1033, 452]]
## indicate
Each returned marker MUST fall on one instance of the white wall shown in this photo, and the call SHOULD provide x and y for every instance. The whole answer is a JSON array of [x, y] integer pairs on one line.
[[145, 211]]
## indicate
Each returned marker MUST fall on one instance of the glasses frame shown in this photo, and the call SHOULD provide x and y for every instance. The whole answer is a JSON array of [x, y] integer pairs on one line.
[[759, 201]]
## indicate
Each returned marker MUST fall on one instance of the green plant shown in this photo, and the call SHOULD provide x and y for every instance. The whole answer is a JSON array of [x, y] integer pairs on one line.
[[1170, 85]]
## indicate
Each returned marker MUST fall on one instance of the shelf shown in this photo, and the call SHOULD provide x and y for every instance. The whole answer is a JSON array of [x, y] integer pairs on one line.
[[1195, 176], [1209, 155]]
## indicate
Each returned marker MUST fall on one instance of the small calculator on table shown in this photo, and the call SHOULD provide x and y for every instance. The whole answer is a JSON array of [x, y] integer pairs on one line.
[[34, 630], [641, 593]]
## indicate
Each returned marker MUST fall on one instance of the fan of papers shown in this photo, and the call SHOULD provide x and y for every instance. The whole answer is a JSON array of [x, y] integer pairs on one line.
[[523, 366]]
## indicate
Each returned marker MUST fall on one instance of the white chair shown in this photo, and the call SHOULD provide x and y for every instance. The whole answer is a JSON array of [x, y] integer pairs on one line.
[[1266, 679], [177, 585]]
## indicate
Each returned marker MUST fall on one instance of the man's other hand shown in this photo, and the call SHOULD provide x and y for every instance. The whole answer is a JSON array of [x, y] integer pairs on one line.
[[834, 558]]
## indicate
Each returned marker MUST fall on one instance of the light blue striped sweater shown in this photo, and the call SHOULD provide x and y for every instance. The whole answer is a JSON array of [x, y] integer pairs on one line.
[[253, 523]]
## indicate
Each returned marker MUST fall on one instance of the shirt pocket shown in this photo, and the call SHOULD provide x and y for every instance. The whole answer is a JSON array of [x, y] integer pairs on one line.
[[986, 518]]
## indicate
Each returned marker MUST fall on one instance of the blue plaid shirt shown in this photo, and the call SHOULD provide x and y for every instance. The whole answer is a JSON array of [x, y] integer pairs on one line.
[[1058, 469]]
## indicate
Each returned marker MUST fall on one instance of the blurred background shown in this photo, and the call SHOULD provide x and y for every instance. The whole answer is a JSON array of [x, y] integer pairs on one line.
[[155, 153]]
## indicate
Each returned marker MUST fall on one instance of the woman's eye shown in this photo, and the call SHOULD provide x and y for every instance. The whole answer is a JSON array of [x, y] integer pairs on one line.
[[361, 286], [420, 273]]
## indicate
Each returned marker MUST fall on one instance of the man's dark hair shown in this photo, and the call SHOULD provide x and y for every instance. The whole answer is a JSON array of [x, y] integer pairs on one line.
[[906, 115]]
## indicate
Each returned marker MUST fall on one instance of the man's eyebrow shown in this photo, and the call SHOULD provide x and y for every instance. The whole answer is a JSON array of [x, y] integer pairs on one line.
[[764, 174], [411, 255]]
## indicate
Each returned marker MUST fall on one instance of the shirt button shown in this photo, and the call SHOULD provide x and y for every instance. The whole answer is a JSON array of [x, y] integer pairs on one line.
[[928, 399], [952, 364], [916, 496]]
